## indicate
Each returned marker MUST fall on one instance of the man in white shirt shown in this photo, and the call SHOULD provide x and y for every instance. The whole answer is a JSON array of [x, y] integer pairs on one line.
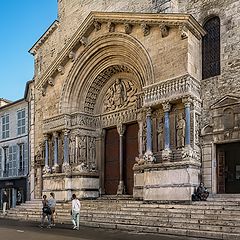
[[76, 206]]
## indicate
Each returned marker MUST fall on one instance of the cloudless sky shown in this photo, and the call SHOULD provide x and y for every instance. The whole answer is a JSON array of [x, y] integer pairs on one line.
[[22, 23]]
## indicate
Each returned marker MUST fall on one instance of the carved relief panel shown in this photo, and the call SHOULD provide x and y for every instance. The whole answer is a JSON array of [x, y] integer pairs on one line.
[[121, 94], [158, 130]]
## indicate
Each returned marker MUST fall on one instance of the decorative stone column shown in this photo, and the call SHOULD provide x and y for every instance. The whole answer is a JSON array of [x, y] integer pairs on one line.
[[66, 166], [187, 152], [187, 117], [121, 188], [46, 168], [166, 153], [55, 167], [149, 130], [140, 138]]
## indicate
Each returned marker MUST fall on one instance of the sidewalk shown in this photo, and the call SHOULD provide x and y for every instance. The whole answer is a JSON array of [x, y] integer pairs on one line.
[[11, 229]]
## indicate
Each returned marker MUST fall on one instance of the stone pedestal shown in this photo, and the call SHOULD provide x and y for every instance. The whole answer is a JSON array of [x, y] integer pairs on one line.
[[84, 185], [166, 181]]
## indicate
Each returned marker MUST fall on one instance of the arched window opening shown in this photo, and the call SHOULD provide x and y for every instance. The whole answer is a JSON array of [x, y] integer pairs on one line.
[[211, 48]]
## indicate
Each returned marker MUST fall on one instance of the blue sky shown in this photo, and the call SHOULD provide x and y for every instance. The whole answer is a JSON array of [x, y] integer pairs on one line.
[[22, 22]]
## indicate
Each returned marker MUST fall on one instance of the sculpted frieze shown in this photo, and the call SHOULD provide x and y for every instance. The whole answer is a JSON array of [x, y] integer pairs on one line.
[[113, 119], [56, 123], [68, 121], [84, 120]]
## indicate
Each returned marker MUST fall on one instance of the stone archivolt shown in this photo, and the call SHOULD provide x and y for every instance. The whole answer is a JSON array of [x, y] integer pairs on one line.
[[96, 19], [105, 57]]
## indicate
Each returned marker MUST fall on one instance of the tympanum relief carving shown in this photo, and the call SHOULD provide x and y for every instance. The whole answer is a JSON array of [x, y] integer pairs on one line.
[[120, 94]]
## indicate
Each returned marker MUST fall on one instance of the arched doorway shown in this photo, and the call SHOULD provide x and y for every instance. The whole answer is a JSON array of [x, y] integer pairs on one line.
[[105, 85]]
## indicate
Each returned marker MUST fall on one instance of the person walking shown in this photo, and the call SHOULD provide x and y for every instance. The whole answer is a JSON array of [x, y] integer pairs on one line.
[[5, 201], [46, 212], [76, 206], [52, 205]]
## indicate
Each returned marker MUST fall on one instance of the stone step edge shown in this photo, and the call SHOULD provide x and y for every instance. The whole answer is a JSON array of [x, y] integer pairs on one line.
[[158, 230], [128, 221]]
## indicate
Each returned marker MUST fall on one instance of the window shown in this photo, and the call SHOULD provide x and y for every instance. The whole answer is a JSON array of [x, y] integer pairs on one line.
[[5, 126], [21, 122], [21, 159], [12, 165], [211, 48], [5, 162], [1, 162]]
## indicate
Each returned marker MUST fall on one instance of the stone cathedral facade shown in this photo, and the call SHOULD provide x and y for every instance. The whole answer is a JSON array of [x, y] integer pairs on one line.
[[138, 98]]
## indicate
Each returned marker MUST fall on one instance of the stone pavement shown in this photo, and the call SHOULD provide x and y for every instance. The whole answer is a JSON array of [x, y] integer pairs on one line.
[[22, 230]]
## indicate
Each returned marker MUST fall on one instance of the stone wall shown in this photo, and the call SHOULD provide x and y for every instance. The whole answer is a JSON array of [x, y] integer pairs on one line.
[[72, 13], [228, 82], [217, 87]]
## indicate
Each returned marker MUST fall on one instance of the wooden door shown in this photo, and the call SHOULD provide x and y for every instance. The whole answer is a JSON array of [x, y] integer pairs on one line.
[[111, 176], [221, 171], [131, 151]]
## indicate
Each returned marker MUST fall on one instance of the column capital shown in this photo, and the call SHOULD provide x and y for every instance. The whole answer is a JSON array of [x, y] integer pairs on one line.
[[149, 112], [187, 101], [121, 129], [46, 137], [55, 134], [66, 132], [166, 106]]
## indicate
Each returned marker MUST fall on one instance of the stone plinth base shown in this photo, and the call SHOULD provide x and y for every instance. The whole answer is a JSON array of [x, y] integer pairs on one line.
[[166, 181], [84, 185]]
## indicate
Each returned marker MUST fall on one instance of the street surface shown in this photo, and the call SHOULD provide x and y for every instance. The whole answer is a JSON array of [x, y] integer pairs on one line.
[[21, 230]]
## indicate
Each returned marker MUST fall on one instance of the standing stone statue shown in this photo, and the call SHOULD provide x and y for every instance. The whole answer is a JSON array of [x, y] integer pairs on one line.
[[181, 126], [92, 153], [72, 149], [160, 135], [82, 149]]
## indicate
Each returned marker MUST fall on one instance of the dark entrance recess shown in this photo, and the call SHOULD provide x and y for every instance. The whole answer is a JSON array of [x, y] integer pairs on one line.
[[228, 168], [112, 166], [111, 178], [130, 152]]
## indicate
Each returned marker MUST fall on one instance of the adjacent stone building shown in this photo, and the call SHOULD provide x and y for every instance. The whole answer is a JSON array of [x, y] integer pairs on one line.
[[14, 151], [137, 98]]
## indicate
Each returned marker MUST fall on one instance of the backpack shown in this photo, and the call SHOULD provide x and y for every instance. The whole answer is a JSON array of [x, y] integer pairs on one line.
[[46, 210]]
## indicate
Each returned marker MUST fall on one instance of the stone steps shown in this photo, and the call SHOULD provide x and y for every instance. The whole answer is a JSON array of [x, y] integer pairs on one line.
[[215, 219]]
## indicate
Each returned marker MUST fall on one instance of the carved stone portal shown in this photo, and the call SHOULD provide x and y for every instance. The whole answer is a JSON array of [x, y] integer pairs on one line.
[[119, 95]]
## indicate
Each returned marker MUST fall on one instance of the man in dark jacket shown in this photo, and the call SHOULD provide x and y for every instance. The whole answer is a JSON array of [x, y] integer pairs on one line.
[[5, 201]]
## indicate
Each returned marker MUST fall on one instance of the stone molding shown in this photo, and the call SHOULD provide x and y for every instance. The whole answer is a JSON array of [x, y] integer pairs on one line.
[[186, 21], [99, 75], [65, 122], [44, 37], [167, 165]]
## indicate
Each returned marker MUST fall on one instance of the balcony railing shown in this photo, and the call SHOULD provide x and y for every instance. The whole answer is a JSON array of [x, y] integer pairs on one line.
[[171, 90]]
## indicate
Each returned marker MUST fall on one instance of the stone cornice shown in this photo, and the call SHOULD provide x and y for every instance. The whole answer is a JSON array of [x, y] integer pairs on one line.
[[184, 21], [167, 165], [43, 38]]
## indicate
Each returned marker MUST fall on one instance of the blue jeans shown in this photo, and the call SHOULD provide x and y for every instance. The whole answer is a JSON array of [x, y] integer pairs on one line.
[[75, 219]]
